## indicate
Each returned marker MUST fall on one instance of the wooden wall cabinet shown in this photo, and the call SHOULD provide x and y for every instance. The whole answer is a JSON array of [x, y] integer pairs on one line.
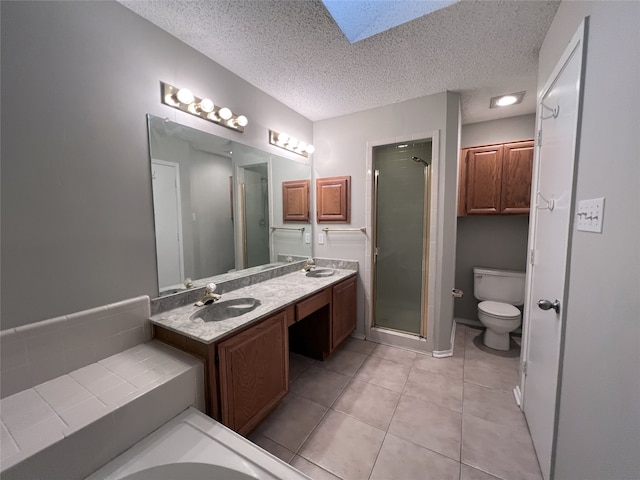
[[496, 179], [295, 201], [333, 199]]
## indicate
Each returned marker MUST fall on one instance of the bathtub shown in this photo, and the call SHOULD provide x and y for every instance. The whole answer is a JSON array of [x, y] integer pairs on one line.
[[193, 446]]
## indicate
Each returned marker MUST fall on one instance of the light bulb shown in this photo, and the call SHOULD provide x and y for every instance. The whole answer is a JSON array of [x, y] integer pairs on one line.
[[242, 121], [292, 143], [185, 96], [310, 149], [301, 147], [283, 138], [224, 113], [206, 105]]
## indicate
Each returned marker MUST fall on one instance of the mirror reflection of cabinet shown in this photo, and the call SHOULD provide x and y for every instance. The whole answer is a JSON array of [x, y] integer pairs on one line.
[[333, 199], [295, 201]]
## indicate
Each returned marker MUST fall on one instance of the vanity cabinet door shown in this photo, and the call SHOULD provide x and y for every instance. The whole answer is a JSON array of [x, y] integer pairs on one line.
[[254, 372], [343, 311]]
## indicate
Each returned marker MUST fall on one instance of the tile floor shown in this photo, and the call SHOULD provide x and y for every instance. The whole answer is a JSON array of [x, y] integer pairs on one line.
[[377, 412]]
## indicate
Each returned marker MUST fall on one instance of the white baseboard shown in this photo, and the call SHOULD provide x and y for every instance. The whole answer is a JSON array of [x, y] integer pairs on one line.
[[358, 335], [449, 352], [468, 321]]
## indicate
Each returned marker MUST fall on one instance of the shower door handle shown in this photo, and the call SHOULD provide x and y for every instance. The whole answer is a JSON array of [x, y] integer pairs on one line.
[[547, 305]]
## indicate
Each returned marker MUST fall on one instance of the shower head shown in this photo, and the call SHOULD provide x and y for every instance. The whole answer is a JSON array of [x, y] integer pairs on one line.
[[420, 160]]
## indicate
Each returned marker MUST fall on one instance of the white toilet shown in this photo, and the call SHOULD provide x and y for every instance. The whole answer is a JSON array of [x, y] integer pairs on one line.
[[499, 291]]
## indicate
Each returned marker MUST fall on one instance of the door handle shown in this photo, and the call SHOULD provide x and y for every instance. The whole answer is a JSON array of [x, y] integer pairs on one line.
[[547, 305]]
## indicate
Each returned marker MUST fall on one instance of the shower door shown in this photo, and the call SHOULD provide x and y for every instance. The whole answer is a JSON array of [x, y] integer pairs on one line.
[[401, 221], [256, 215]]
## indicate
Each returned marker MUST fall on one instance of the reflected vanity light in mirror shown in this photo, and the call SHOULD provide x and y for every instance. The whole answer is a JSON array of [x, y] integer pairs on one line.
[[183, 99], [199, 213], [292, 144]]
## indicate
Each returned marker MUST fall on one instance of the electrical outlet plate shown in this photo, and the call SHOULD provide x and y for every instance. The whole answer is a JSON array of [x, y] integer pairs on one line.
[[307, 238], [590, 215], [321, 239]]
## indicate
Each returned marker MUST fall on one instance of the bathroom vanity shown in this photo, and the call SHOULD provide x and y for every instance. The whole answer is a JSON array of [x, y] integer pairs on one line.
[[246, 356]]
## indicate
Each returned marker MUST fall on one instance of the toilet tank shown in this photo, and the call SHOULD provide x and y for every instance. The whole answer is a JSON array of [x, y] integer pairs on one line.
[[505, 286]]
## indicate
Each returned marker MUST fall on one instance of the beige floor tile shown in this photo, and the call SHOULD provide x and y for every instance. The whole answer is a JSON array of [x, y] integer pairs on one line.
[[429, 425], [470, 473], [311, 469], [298, 364], [400, 459], [486, 354], [292, 422], [450, 366], [494, 405], [384, 373], [394, 354], [502, 451], [344, 446], [367, 402], [500, 376], [272, 447], [358, 346], [344, 361], [436, 388], [320, 385]]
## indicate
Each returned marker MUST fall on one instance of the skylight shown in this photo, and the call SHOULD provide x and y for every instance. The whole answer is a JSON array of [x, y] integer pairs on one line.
[[359, 19]]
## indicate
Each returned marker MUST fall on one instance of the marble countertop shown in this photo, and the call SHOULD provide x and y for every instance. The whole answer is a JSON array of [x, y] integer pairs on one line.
[[274, 294]]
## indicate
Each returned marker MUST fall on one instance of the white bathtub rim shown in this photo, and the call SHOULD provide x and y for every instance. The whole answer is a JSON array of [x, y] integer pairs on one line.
[[214, 440]]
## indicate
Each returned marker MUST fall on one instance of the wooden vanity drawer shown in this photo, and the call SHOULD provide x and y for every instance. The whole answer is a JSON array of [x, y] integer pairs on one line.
[[311, 304]]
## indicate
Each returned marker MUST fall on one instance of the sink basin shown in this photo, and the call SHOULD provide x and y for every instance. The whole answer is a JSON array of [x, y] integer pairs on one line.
[[320, 272], [225, 309]]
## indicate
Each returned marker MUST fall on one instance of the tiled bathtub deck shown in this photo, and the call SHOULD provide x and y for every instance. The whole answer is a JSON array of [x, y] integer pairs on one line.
[[377, 412]]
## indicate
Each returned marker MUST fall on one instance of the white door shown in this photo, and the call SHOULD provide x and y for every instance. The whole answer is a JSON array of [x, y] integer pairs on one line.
[[168, 221], [557, 120]]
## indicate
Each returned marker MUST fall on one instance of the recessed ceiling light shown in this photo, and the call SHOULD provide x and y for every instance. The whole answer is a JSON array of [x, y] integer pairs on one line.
[[506, 100]]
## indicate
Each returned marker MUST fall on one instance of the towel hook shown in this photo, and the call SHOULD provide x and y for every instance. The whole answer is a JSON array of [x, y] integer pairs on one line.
[[554, 111], [550, 204]]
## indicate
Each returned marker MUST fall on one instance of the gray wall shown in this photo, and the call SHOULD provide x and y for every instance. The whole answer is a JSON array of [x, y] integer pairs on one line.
[[599, 417], [342, 148], [485, 240], [77, 81]]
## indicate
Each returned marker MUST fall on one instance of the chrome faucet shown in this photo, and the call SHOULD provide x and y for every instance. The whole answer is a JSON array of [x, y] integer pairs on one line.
[[310, 265], [209, 296]]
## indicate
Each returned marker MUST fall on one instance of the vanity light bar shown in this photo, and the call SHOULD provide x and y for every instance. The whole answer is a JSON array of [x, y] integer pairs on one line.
[[184, 100], [291, 144]]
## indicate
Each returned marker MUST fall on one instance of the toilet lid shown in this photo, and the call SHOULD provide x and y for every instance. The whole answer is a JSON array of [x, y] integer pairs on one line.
[[499, 309]]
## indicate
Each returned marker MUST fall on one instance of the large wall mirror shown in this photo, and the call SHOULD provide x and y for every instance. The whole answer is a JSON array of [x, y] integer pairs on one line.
[[218, 207]]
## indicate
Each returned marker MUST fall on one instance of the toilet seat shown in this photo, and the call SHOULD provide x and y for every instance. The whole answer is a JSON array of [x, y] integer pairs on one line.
[[499, 310]]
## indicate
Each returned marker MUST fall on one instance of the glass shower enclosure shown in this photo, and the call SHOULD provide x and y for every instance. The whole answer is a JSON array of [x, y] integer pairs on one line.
[[401, 236]]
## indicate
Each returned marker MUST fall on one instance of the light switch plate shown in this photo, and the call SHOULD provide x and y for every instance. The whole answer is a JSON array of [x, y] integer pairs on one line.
[[307, 238], [590, 215]]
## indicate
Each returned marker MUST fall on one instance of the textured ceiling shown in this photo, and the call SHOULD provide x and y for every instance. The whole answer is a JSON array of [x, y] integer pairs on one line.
[[295, 52]]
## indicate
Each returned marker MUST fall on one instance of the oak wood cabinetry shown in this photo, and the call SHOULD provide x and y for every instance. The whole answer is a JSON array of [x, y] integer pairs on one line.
[[343, 311], [247, 373], [496, 179], [254, 373]]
